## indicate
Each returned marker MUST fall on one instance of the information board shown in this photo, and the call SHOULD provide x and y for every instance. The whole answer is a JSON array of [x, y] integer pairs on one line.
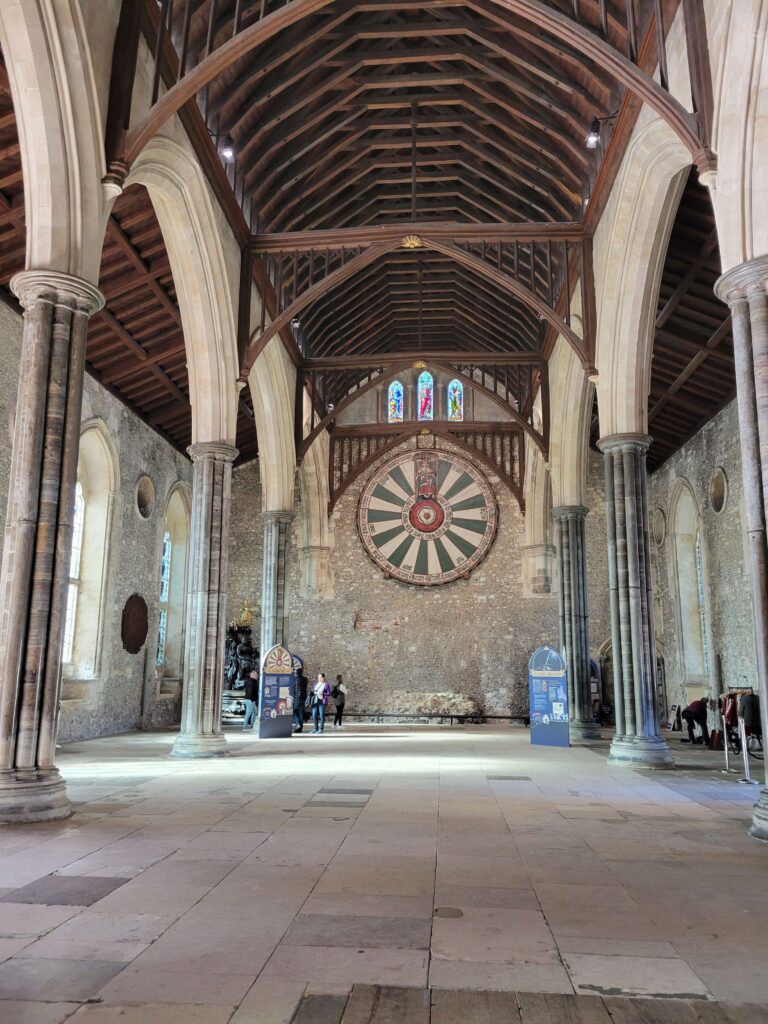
[[548, 695], [277, 693]]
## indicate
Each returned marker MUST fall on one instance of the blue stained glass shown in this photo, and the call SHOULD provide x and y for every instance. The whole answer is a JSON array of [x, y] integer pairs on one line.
[[426, 396], [395, 402], [456, 401]]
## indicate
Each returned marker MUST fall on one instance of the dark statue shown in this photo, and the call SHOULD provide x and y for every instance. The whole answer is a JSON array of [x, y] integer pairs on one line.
[[240, 657]]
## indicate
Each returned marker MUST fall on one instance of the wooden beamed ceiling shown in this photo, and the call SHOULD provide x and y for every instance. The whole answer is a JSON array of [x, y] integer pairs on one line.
[[135, 346], [368, 115], [692, 372], [356, 122]]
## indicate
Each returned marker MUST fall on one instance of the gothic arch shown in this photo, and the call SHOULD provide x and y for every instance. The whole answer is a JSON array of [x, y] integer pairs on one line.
[[688, 567], [630, 249], [272, 381], [739, 34], [48, 60], [571, 398], [204, 283], [315, 525], [98, 476]]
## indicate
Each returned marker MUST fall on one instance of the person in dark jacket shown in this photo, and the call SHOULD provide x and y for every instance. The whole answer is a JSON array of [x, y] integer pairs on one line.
[[696, 712], [339, 698], [251, 700], [302, 684]]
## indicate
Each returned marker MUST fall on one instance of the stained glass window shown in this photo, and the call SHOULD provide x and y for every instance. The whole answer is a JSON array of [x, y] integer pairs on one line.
[[426, 392], [165, 587], [456, 401], [73, 587], [702, 606], [395, 402]]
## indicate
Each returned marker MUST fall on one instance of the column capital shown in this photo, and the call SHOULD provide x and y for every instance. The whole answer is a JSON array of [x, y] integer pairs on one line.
[[739, 282], [31, 286], [570, 512], [278, 516], [219, 451], [625, 442]]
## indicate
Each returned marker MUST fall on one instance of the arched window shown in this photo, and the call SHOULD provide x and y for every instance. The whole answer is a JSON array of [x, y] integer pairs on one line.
[[173, 572], [165, 587], [702, 605], [456, 401], [395, 402], [73, 587], [88, 568], [693, 633], [426, 396]]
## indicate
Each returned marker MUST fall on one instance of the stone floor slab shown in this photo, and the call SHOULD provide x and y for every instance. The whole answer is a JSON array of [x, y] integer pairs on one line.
[[30, 1012], [56, 980], [65, 890], [634, 976], [366, 932]]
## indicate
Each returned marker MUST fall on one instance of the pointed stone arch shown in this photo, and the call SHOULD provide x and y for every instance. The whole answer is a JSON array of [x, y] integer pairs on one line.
[[630, 248], [272, 381], [205, 284], [47, 56]]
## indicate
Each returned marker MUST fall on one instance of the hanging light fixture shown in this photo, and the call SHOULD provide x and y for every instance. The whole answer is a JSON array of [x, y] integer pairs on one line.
[[228, 147], [593, 136]]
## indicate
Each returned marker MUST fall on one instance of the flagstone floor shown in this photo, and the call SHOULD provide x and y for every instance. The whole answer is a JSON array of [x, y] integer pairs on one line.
[[247, 889]]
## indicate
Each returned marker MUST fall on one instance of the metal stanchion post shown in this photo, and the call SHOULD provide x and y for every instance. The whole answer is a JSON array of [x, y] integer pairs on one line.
[[727, 770], [745, 753]]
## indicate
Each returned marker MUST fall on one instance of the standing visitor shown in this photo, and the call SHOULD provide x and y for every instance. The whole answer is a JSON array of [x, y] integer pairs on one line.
[[302, 684], [251, 700], [339, 698], [320, 695]]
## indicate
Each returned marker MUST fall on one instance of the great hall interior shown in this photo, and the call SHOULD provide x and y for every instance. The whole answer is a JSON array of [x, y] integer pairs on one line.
[[418, 352]]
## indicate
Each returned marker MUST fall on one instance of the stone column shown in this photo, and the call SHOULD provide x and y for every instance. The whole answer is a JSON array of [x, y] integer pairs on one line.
[[200, 734], [573, 616], [38, 539], [744, 289], [274, 586], [637, 740]]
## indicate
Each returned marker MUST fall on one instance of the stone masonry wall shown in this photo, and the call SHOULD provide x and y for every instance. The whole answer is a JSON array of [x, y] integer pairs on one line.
[[472, 637], [727, 594], [126, 683]]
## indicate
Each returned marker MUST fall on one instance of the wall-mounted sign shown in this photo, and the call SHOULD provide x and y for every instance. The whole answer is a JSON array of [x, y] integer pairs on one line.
[[277, 693], [548, 695]]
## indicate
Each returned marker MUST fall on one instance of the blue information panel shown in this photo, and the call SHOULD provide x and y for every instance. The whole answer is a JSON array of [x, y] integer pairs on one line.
[[277, 693], [548, 694]]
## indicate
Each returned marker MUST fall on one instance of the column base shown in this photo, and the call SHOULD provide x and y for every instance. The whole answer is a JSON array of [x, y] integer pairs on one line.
[[759, 829], [583, 731], [200, 745], [42, 798], [640, 752]]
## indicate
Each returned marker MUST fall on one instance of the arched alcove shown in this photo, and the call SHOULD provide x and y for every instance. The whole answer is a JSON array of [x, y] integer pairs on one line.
[[97, 480], [689, 574], [174, 555]]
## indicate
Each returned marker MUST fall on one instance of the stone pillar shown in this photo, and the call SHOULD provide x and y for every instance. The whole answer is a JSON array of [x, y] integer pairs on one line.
[[274, 587], [744, 289], [637, 741], [316, 571], [573, 616], [38, 539], [200, 734]]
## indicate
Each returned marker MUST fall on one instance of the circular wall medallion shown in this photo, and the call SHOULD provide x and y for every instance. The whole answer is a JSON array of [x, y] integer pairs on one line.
[[145, 497], [718, 490], [427, 517], [659, 527]]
